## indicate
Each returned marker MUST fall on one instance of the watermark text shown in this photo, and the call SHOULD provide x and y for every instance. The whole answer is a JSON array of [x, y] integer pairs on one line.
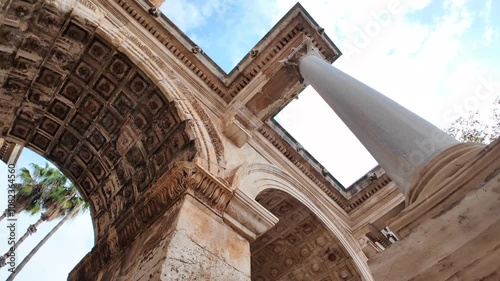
[[10, 257]]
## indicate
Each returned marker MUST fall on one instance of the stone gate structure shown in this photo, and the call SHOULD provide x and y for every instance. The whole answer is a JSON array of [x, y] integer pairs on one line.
[[189, 177]]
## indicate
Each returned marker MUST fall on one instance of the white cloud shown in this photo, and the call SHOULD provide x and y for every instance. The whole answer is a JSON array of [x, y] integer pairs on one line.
[[422, 65], [488, 35], [189, 15], [407, 61]]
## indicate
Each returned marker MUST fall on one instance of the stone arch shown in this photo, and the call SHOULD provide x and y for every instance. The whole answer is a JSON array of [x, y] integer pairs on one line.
[[257, 179], [96, 102]]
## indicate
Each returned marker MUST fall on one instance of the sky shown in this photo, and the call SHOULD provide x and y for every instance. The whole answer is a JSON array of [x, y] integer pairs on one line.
[[429, 56], [440, 59], [62, 251]]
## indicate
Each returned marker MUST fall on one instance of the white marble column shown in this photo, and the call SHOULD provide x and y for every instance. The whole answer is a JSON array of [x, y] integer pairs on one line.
[[398, 139]]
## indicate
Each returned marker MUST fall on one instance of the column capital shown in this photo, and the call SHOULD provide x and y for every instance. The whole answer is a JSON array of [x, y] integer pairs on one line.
[[306, 48]]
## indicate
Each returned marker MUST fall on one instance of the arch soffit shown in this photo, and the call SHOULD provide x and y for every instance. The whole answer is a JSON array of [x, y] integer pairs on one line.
[[87, 14], [158, 69], [212, 148], [255, 178]]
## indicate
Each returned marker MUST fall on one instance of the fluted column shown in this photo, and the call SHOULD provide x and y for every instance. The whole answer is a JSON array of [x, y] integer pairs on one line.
[[397, 138]]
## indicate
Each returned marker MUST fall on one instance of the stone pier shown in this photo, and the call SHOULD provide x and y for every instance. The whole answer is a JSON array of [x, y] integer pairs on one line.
[[191, 228]]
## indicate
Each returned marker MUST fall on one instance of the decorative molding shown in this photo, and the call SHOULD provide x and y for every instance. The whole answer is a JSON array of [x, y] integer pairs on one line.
[[240, 124], [181, 179], [248, 217], [169, 41], [209, 142], [9, 151], [363, 195], [305, 48], [4, 148], [90, 5], [444, 165], [444, 181], [212, 131], [302, 24], [319, 177]]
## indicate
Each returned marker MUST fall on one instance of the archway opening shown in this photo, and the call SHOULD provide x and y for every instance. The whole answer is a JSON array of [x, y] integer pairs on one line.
[[299, 247], [72, 239], [69, 94]]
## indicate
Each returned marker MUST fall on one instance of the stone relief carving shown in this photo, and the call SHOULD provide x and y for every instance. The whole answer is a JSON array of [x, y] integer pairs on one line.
[[74, 98], [197, 49], [155, 12], [212, 132], [88, 4], [183, 178]]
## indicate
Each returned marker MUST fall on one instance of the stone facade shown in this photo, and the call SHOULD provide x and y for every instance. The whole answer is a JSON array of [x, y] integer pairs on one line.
[[187, 175], [10, 151], [452, 232]]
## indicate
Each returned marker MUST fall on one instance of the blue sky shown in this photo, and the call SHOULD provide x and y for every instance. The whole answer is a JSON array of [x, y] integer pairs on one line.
[[437, 58], [426, 55]]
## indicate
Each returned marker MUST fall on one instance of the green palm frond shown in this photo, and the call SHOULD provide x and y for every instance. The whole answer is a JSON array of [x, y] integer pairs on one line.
[[25, 176], [34, 208], [45, 189]]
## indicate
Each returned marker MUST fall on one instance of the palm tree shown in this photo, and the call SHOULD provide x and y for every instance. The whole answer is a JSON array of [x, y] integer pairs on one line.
[[44, 189], [32, 186], [4, 214], [77, 206], [55, 205]]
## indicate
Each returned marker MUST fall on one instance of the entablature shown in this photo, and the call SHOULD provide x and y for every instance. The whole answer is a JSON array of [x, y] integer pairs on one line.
[[259, 83], [350, 198]]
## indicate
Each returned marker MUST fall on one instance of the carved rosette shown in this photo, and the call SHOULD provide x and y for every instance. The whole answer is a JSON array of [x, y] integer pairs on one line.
[[299, 246]]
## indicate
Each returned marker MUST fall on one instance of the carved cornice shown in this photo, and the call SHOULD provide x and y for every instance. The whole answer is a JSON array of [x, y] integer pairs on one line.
[[227, 86], [360, 197], [319, 177], [180, 51], [181, 179], [248, 217]]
